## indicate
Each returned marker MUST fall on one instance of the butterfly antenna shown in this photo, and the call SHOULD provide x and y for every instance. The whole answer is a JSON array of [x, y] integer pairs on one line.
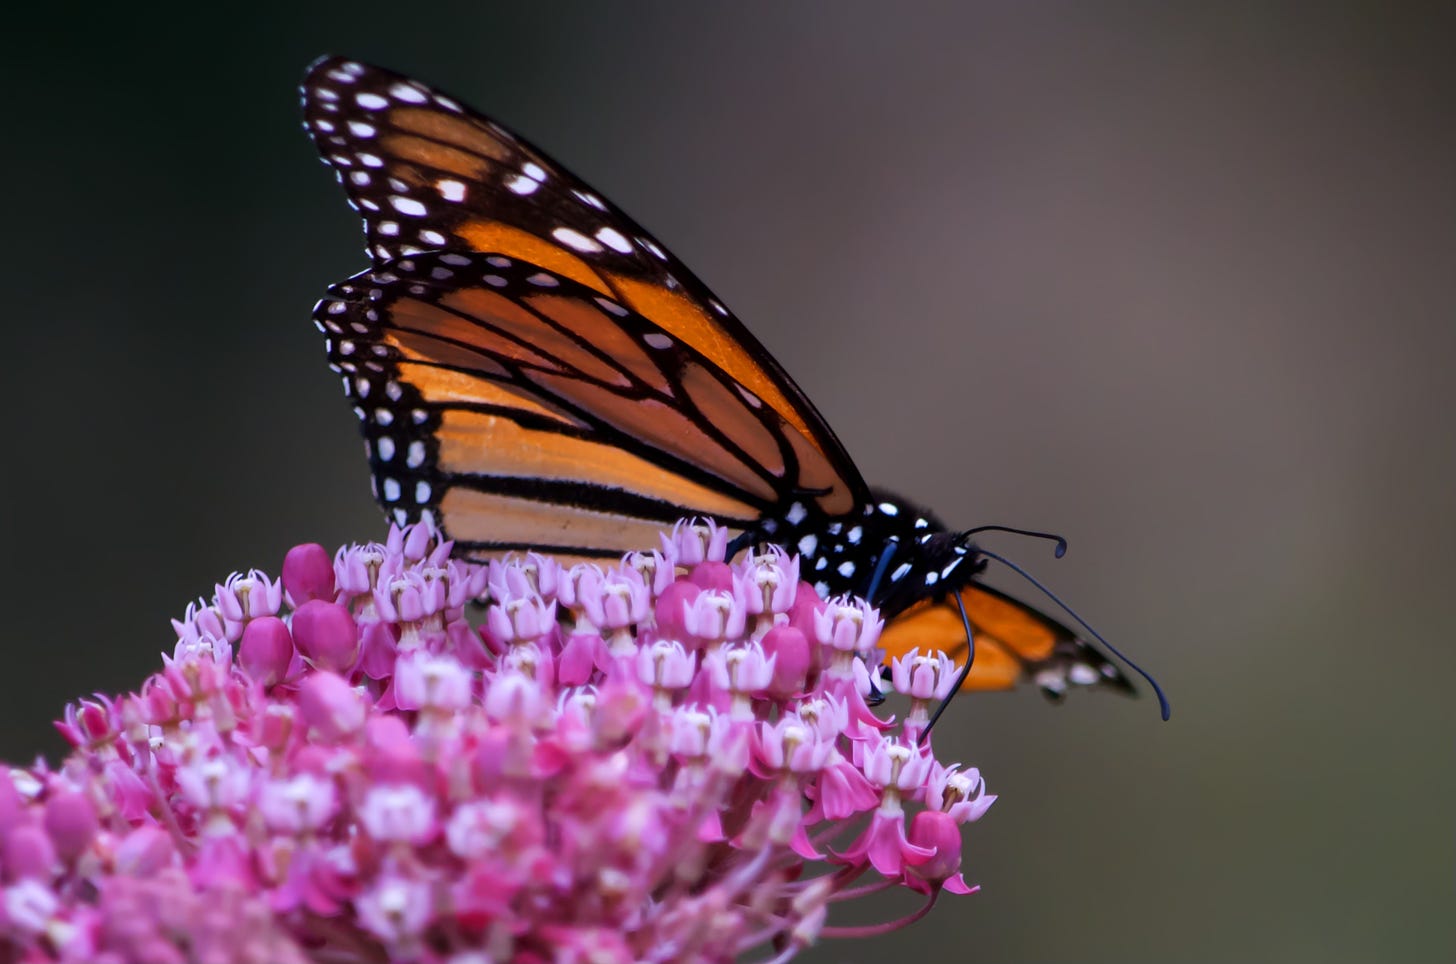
[[1162, 700], [960, 677], [1061, 543]]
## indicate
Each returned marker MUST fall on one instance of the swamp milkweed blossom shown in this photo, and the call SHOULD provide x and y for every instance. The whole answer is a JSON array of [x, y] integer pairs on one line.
[[670, 759]]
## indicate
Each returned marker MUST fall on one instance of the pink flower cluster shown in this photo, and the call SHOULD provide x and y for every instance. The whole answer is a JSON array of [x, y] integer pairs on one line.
[[669, 759]]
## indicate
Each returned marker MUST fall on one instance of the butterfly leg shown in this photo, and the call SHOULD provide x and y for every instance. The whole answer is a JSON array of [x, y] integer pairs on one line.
[[965, 670]]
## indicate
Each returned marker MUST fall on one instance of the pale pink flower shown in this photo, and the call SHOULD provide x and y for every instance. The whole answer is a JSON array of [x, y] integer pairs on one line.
[[657, 776]]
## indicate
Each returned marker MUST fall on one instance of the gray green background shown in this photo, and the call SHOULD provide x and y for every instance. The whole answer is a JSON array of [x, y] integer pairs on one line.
[[1174, 280]]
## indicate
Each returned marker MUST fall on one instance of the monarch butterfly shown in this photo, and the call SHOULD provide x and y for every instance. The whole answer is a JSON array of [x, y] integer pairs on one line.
[[531, 369]]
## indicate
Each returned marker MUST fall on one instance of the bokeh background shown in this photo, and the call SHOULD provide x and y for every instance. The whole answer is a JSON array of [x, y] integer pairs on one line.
[[1175, 280]]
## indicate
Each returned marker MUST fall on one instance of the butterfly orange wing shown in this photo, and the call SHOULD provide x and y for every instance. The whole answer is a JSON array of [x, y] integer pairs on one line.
[[561, 381], [1014, 643]]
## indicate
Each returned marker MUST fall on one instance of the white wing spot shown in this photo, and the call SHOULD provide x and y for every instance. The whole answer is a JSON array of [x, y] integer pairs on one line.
[[612, 307], [808, 544], [359, 178], [371, 160], [718, 306], [520, 184], [385, 448], [361, 129], [458, 260], [450, 189], [889, 508], [853, 535], [324, 125], [533, 171], [495, 281], [1051, 680], [587, 197], [383, 416], [657, 339], [655, 251], [388, 228], [440, 273], [391, 490], [900, 572], [931, 578], [846, 569], [749, 397], [415, 457], [407, 205], [432, 237], [422, 492], [577, 240], [614, 239], [543, 280], [370, 101], [407, 93], [496, 261], [796, 513]]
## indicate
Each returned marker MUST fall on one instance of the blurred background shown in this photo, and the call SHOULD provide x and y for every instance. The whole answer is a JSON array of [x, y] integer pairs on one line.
[[1174, 280]]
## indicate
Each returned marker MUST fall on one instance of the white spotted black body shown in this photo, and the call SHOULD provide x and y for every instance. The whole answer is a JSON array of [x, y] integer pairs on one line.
[[908, 547]]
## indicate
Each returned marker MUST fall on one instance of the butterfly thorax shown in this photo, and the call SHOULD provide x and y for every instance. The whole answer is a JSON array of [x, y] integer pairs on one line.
[[889, 550]]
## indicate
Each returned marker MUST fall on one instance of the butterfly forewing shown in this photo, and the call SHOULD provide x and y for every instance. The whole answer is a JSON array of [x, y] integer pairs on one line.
[[428, 174]]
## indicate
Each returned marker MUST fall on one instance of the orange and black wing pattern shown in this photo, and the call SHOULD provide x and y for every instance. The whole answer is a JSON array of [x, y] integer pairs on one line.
[[530, 366], [1014, 643], [522, 409]]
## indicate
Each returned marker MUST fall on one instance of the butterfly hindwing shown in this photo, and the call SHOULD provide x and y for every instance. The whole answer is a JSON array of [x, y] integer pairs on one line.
[[1014, 643], [523, 409]]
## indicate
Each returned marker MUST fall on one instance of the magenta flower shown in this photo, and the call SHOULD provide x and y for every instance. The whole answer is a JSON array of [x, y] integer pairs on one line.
[[925, 679], [693, 541], [669, 759]]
